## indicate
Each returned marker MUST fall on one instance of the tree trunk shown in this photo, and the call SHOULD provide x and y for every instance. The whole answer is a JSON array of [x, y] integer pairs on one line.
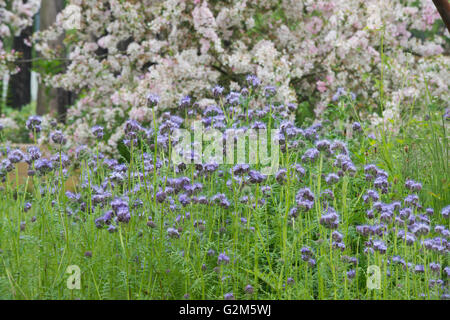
[[52, 100], [19, 88], [443, 7]]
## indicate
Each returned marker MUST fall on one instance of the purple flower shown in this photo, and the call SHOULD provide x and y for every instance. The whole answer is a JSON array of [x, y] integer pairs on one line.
[[119, 204], [447, 271], [305, 198], [324, 145], [304, 193], [253, 81], [382, 173], [97, 131], [339, 146], [291, 107], [217, 91], [379, 246], [185, 102], [34, 153], [340, 92], [412, 199], [306, 252], [419, 268], [280, 176], [228, 296], [405, 213], [123, 215], [241, 169], [408, 237], [310, 134], [337, 236], [43, 166], [184, 200], [16, 156], [439, 229], [161, 196], [312, 262], [386, 216], [398, 260], [34, 123], [435, 267], [6, 165], [381, 207], [356, 127], [73, 196], [233, 98], [223, 259], [310, 155], [256, 177], [371, 213], [60, 159], [153, 99], [446, 211], [332, 178], [249, 289], [381, 182], [338, 245], [266, 190], [371, 195], [27, 207], [327, 194], [99, 222], [420, 229], [370, 169], [58, 137], [300, 170], [211, 167], [270, 91], [131, 128], [413, 185], [330, 219], [351, 274], [258, 125], [446, 115], [173, 233]]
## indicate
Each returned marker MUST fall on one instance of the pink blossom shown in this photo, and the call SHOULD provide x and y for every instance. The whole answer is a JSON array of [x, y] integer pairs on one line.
[[115, 98], [330, 79], [430, 14], [321, 86], [330, 36], [314, 25], [206, 44]]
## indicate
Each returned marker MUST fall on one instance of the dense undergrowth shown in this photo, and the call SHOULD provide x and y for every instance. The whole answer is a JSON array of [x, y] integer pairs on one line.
[[342, 201]]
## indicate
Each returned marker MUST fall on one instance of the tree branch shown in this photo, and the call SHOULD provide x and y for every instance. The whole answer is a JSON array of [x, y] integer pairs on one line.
[[443, 7]]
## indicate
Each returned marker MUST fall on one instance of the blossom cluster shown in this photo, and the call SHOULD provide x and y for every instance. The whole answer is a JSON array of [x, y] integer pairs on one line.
[[174, 48], [15, 15]]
